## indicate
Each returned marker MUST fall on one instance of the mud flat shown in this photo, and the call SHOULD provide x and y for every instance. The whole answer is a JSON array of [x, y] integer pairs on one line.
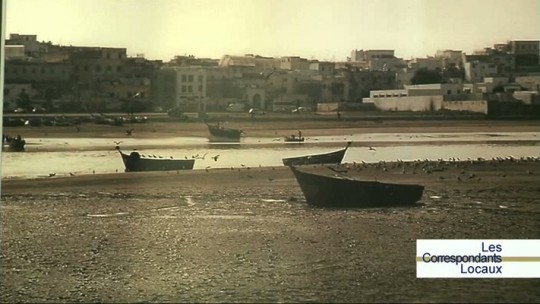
[[247, 235]]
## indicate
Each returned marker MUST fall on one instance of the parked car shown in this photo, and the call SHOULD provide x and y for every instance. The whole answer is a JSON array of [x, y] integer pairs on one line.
[[236, 107], [255, 111], [38, 110], [300, 109]]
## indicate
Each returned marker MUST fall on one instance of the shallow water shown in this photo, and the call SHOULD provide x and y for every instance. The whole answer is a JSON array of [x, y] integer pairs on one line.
[[76, 156]]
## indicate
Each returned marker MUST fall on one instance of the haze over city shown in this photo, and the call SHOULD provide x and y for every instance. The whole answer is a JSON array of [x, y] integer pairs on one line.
[[311, 29]]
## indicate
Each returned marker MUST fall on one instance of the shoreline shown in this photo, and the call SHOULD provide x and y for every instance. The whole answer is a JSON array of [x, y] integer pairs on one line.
[[269, 128]]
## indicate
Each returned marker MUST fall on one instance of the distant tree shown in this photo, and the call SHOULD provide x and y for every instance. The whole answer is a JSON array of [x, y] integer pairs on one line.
[[425, 76]]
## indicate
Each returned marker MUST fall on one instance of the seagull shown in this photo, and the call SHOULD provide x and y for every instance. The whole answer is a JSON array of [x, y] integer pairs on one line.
[[129, 132], [52, 174], [72, 174], [215, 158], [372, 149]]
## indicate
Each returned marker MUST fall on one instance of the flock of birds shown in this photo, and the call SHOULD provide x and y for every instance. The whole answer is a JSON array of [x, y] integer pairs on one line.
[[407, 167]]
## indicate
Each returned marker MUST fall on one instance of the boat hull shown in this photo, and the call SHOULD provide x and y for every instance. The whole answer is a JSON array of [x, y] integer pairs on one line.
[[224, 134], [330, 191], [325, 158], [135, 163], [13, 144]]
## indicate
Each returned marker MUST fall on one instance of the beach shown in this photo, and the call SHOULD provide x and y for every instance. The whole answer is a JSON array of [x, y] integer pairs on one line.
[[247, 235]]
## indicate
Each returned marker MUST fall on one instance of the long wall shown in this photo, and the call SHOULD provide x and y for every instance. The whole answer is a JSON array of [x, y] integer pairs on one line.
[[427, 103], [408, 103], [477, 106]]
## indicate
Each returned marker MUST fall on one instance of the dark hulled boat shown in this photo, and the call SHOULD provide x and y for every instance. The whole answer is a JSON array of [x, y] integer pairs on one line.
[[293, 138], [137, 162], [13, 144], [220, 133], [334, 157], [340, 191]]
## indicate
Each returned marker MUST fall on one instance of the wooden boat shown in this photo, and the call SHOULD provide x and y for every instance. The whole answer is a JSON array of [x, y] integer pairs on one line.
[[341, 191], [220, 133], [13, 144], [293, 138], [137, 162], [334, 157]]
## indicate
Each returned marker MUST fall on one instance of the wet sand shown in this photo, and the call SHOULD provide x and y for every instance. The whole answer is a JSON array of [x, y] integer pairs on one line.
[[247, 235], [272, 128]]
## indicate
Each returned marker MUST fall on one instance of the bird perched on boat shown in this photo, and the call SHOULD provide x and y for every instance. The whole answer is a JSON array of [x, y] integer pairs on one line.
[[215, 158], [52, 174]]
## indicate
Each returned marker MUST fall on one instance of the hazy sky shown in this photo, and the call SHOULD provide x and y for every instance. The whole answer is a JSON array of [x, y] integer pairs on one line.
[[322, 29]]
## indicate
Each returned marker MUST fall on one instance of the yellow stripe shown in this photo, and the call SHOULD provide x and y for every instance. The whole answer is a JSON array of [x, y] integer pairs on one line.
[[505, 259], [521, 259]]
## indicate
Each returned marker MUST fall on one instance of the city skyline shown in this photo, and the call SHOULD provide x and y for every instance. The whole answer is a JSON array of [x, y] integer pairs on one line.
[[309, 29]]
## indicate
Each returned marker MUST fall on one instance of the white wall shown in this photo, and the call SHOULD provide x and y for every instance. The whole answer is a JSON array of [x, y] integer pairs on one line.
[[408, 103], [478, 106]]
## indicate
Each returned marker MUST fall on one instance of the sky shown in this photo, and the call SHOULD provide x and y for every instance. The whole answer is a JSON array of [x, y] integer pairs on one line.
[[313, 29]]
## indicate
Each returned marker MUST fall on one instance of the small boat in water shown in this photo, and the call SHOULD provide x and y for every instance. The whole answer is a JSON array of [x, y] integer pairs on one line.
[[13, 144], [220, 133], [137, 162], [343, 191], [334, 157]]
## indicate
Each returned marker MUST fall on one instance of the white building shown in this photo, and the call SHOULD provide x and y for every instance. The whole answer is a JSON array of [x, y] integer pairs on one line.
[[428, 97]]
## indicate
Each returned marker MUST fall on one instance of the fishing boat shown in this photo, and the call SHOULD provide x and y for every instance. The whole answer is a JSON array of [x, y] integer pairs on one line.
[[334, 157], [220, 133], [137, 162], [13, 144], [293, 138], [344, 191]]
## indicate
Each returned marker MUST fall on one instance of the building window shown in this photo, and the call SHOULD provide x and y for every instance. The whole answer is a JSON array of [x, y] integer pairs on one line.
[[448, 92], [183, 89], [86, 68], [200, 78], [199, 88], [190, 78], [184, 78], [190, 89], [98, 68]]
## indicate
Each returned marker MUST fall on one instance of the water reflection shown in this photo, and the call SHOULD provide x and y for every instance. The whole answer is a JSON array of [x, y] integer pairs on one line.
[[40, 164]]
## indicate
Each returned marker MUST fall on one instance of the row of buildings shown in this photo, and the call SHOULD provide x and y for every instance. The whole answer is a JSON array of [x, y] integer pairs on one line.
[[99, 79]]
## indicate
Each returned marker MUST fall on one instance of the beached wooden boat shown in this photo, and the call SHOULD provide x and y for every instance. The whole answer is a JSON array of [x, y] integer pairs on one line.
[[137, 162], [220, 133], [334, 157], [342, 191], [293, 138], [13, 144]]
